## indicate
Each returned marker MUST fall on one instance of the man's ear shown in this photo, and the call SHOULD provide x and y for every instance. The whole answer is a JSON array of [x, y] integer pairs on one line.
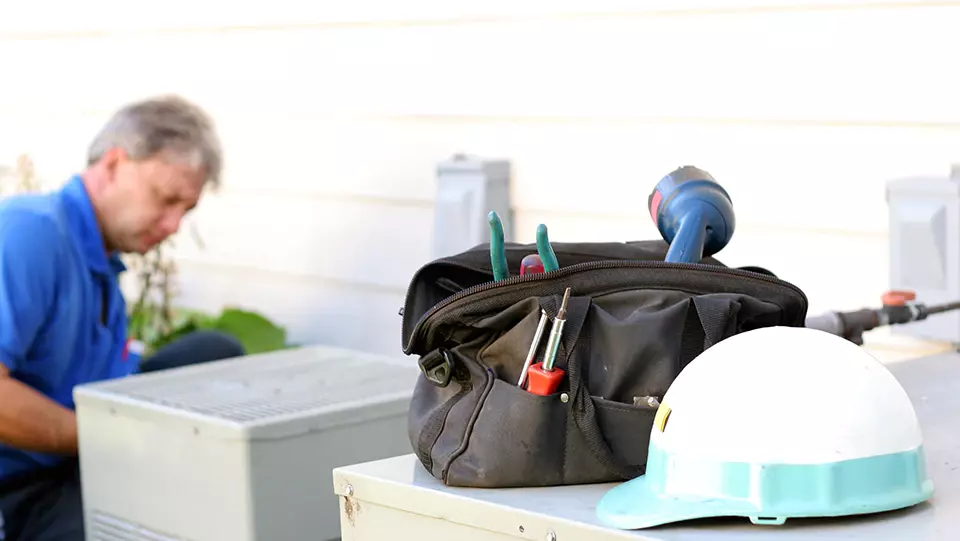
[[111, 160]]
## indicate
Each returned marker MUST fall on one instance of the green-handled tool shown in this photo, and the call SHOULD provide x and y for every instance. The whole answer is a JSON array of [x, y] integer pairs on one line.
[[545, 251], [498, 254]]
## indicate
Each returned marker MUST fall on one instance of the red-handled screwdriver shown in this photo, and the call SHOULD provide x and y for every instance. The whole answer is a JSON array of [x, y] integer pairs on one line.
[[531, 264], [543, 378]]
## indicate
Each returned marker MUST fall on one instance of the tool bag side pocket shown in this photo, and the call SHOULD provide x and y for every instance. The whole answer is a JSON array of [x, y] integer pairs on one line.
[[438, 419], [520, 438]]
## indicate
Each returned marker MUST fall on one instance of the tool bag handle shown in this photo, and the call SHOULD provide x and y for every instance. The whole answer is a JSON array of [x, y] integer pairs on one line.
[[705, 325]]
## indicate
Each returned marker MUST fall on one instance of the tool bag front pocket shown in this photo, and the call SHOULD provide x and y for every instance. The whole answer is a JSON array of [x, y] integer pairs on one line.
[[631, 328]]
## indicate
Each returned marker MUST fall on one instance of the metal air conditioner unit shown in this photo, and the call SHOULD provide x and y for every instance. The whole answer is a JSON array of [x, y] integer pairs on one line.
[[237, 450]]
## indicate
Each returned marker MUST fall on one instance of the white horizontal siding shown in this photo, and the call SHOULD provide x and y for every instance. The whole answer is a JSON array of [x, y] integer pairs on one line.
[[334, 117], [798, 65], [380, 246], [355, 242], [782, 176], [46, 17], [313, 311]]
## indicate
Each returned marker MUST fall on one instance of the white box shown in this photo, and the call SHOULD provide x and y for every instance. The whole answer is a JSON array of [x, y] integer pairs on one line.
[[925, 249], [237, 450]]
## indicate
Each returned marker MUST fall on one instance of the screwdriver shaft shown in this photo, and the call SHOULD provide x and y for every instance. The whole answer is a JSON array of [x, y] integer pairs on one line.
[[537, 336], [553, 343]]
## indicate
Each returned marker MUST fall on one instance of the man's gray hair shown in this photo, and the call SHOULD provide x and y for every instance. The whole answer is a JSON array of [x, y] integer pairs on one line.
[[166, 124]]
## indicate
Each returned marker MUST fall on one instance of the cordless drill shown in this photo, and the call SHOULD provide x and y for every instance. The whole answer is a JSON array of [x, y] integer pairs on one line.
[[693, 213]]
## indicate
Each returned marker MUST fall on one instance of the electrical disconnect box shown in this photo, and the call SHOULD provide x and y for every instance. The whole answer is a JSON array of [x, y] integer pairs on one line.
[[468, 188], [241, 449], [925, 249]]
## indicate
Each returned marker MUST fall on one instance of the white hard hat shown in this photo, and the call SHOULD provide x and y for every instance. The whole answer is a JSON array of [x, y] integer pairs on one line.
[[777, 423]]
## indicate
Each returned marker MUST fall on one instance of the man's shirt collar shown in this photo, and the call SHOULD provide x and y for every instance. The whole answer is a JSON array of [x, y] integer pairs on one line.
[[84, 228]]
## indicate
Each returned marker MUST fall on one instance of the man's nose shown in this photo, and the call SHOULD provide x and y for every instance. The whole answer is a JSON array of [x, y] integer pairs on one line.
[[172, 223]]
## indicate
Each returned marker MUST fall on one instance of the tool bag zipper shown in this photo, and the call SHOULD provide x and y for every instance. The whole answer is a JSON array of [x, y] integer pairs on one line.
[[504, 291]]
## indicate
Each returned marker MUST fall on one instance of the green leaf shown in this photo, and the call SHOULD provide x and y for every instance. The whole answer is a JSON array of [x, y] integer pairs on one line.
[[186, 327], [257, 333], [202, 320]]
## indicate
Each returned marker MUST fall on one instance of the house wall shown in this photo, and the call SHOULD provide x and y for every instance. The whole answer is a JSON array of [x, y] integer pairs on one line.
[[334, 115]]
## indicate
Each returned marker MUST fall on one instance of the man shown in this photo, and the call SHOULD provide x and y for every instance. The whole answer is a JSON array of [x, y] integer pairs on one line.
[[62, 315]]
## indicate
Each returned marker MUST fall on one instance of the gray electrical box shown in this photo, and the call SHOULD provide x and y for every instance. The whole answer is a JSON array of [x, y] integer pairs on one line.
[[925, 249], [468, 188]]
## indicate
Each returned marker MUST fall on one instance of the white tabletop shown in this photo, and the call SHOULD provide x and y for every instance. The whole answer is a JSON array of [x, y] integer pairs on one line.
[[932, 382]]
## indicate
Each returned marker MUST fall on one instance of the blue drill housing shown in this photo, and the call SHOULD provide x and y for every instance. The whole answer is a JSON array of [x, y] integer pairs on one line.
[[693, 213]]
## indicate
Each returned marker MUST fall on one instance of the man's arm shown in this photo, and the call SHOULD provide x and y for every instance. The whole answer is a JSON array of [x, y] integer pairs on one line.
[[33, 422], [28, 257]]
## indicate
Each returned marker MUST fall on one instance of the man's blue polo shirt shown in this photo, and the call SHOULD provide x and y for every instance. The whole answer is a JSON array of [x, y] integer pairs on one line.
[[62, 315]]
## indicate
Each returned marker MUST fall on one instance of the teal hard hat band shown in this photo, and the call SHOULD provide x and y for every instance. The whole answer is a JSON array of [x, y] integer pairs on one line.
[[679, 487]]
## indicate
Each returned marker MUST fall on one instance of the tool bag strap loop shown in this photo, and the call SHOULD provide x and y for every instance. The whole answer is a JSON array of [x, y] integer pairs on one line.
[[708, 321], [717, 319]]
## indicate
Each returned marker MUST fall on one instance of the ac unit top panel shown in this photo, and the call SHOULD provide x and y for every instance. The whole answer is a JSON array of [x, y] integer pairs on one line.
[[923, 186], [267, 395]]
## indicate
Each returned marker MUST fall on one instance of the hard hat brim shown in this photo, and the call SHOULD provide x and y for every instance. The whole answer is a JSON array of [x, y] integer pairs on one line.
[[855, 487], [634, 505]]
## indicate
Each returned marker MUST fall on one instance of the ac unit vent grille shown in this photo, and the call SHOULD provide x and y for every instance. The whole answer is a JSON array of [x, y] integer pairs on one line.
[[106, 527], [257, 389]]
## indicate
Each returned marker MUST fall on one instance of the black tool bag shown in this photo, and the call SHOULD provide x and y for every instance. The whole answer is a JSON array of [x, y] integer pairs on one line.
[[633, 322]]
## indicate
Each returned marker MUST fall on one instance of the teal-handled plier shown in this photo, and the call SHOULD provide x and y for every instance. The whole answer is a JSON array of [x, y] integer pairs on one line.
[[545, 250], [498, 254]]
